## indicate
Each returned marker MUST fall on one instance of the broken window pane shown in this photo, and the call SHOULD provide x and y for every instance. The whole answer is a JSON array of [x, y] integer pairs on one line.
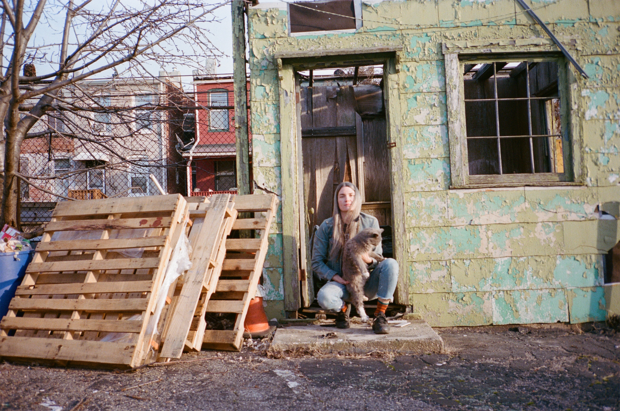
[[519, 104]]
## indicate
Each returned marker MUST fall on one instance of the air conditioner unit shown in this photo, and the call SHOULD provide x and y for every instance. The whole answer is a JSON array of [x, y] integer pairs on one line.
[[98, 127]]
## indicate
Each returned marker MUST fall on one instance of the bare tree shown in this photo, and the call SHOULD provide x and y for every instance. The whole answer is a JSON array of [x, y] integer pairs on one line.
[[121, 35]]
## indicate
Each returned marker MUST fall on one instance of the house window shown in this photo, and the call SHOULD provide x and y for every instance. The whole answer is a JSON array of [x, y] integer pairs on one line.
[[225, 178], [145, 118], [331, 15], [95, 175], [63, 182], [509, 124], [139, 183], [218, 119], [55, 123], [194, 179], [103, 119]]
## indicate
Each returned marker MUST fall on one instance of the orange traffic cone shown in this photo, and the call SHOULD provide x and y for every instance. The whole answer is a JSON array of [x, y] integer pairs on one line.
[[256, 324]]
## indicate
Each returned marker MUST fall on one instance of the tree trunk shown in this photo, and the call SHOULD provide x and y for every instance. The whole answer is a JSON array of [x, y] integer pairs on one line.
[[10, 194]]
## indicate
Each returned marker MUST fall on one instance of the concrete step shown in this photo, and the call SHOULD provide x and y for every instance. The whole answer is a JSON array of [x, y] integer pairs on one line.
[[416, 338]]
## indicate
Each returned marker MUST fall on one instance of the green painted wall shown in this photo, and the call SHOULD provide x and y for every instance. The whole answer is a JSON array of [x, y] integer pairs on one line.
[[472, 256]]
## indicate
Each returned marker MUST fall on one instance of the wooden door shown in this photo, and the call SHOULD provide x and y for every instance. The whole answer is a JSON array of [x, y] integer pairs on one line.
[[329, 147]]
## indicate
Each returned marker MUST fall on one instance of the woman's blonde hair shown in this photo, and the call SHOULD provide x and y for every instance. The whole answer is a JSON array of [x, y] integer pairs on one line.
[[349, 218]]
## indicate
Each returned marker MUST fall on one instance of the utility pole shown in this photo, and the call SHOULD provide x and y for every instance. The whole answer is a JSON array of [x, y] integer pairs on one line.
[[240, 91]]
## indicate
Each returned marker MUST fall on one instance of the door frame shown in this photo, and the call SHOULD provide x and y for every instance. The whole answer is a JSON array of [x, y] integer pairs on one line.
[[294, 233]]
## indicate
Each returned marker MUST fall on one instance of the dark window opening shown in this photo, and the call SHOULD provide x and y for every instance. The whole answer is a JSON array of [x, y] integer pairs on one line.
[[225, 175], [322, 16], [194, 180], [513, 118]]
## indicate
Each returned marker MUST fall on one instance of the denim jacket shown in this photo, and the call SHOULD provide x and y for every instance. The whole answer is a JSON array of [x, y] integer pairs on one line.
[[322, 266]]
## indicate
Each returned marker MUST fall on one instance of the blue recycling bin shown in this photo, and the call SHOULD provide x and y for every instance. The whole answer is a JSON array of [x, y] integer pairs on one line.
[[12, 271]]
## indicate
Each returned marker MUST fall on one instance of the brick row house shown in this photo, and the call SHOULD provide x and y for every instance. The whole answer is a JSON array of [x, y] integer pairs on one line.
[[211, 158]]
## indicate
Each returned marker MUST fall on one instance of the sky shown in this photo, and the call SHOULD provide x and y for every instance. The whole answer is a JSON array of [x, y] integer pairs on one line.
[[49, 33]]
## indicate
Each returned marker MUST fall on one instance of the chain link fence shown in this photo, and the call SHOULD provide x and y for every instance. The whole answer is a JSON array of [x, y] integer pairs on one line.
[[128, 137]]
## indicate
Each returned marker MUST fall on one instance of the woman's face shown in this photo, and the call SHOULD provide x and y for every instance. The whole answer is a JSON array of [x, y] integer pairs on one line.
[[346, 198]]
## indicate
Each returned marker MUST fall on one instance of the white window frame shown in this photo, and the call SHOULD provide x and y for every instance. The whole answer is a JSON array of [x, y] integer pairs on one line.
[[103, 120], [215, 113], [62, 186], [139, 171], [457, 132], [88, 179], [146, 119]]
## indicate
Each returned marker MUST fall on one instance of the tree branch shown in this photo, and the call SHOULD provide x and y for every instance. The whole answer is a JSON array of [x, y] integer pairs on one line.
[[25, 180]]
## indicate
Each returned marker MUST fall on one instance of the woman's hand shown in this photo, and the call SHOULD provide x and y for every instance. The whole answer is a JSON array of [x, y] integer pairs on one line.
[[366, 258], [339, 280]]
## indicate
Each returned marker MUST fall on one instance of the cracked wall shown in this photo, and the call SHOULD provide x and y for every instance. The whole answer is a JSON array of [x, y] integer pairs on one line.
[[473, 256]]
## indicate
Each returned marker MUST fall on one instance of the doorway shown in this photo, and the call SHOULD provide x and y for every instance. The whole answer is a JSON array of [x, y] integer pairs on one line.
[[342, 116]]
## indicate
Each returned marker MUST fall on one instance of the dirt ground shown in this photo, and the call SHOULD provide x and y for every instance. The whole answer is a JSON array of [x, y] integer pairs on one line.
[[484, 368]]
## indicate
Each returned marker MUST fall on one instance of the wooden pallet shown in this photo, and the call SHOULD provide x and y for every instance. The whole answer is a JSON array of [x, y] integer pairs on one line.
[[241, 269], [212, 223], [85, 301]]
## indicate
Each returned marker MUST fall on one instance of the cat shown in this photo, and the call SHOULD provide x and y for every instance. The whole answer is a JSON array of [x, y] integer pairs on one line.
[[354, 269]]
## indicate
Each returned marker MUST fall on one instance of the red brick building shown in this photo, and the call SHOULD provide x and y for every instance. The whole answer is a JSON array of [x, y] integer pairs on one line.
[[212, 156]]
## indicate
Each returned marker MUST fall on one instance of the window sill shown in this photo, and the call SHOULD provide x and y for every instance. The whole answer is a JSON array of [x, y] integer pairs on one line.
[[515, 184]]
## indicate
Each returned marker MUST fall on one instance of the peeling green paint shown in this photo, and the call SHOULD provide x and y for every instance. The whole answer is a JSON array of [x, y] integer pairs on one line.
[[597, 100], [429, 174], [429, 277], [530, 306], [273, 286], [587, 304], [472, 257]]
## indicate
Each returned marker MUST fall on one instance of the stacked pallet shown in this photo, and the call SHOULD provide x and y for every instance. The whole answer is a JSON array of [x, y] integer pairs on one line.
[[89, 293], [241, 269], [212, 223], [95, 289]]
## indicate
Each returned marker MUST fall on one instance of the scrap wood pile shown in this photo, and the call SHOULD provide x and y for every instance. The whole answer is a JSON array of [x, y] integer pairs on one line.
[[109, 283]]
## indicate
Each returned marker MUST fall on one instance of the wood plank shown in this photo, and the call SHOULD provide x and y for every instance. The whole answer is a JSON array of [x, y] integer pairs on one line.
[[114, 244], [205, 244], [340, 131], [225, 306], [85, 288], [85, 305], [67, 278], [65, 324], [117, 205], [66, 350], [108, 224], [219, 336], [210, 285], [238, 265], [232, 286], [254, 202], [242, 244], [91, 265], [250, 224]]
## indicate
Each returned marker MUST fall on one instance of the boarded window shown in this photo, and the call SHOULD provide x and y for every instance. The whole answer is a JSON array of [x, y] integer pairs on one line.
[[322, 16]]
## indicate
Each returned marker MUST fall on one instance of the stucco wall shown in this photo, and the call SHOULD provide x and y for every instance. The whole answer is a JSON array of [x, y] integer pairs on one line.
[[473, 256]]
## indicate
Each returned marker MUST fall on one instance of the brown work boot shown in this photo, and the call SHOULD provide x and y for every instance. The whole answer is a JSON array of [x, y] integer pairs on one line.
[[342, 318], [380, 325]]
